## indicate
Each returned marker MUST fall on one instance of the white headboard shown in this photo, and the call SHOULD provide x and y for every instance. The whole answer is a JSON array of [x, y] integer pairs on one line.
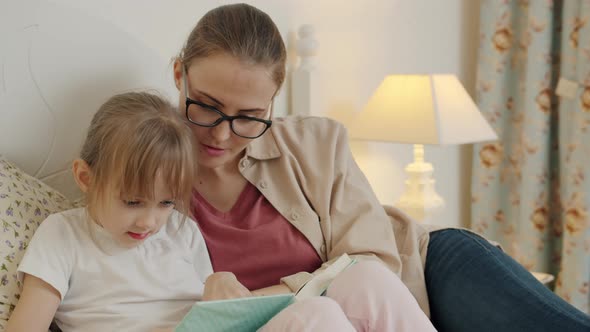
[[57, 65]]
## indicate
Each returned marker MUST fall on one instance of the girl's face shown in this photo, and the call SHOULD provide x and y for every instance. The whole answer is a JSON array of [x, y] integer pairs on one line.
[[131, 220], [234, 88]]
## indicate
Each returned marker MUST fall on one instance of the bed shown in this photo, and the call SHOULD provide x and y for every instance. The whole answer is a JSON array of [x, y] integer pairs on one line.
[[58, 67]]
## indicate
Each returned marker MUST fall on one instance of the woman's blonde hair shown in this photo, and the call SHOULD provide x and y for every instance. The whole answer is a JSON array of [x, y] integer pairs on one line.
[[240, 30], [133, 138]]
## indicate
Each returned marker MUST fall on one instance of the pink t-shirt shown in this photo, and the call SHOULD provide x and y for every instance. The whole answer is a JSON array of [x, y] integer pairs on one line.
[[253, 240]]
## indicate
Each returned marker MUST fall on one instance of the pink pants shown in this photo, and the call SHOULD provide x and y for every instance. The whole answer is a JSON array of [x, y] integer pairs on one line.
[[365, 297]]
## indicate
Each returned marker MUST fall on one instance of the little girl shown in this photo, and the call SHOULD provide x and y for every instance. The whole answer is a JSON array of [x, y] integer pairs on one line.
[[129, 261]]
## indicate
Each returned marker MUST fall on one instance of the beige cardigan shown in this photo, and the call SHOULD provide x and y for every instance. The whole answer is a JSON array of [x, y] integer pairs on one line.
[[304, 167]]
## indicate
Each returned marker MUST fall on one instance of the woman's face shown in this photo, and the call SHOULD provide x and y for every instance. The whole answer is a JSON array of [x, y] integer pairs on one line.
[[234, 88]]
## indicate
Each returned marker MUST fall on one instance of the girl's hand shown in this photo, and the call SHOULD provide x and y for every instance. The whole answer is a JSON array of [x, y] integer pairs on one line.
[[224, 285]]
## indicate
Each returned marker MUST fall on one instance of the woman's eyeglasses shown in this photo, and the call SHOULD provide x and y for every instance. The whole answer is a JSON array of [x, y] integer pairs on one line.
[[205, 115]]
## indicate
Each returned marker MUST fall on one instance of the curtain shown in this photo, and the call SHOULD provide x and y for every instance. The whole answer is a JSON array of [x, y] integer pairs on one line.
[[531, 188]]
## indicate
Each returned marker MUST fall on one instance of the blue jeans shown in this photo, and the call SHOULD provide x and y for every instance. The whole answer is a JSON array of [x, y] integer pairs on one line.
[[474, 286]]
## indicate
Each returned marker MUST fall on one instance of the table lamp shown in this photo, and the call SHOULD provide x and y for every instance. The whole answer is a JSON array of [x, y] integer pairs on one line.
[[421, 109]]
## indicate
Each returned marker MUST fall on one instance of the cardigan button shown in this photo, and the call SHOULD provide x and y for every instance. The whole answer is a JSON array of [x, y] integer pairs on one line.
[[294, 216], [245, 163], [262, 184], [323, 248]]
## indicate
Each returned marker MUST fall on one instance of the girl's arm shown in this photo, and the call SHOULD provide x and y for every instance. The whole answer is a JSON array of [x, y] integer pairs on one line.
[[224, 285], [36, 307]]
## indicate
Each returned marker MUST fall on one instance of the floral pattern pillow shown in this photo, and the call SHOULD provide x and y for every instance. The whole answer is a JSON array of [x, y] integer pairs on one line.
[[24, 203]]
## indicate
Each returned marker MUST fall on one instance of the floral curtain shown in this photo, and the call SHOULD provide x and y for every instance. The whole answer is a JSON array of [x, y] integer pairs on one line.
[[531, 188]]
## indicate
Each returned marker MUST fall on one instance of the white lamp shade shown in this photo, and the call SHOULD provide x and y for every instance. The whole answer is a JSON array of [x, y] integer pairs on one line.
[[421, 109]]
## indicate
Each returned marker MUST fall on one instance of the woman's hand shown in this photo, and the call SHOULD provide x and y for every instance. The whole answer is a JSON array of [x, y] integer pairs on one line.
[[224, 285]]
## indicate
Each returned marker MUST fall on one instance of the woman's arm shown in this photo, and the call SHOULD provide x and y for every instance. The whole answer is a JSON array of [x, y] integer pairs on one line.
[[272, 290], [36, 307], [352, 220]]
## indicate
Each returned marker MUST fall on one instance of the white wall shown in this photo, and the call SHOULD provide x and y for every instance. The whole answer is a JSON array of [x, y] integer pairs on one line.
[[360, 43]]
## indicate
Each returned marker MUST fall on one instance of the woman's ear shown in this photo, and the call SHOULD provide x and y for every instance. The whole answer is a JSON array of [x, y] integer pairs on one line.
[[82, 174], [178, 68]]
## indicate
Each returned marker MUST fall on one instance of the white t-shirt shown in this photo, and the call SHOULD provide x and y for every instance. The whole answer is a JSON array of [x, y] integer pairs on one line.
[[105, 287]]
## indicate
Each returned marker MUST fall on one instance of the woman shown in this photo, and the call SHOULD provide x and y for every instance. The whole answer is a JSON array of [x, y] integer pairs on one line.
[[278, 203]]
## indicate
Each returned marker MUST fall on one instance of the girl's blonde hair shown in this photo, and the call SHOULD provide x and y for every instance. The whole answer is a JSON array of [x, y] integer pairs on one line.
[[240, 30], [133, 138]]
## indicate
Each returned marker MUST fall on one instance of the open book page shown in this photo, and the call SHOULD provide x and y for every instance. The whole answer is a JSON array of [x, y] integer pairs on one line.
[[251, 313], [320, 282]]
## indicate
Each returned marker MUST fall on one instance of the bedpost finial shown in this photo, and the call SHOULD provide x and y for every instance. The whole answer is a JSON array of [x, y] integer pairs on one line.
[[307, 46]]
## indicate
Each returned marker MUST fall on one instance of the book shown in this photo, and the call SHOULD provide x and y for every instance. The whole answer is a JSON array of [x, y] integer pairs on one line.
[[248, 314], [242, 314], [320, 282]]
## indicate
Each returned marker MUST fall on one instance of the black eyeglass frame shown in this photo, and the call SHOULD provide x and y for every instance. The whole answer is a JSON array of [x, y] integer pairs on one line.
[[222, 116]]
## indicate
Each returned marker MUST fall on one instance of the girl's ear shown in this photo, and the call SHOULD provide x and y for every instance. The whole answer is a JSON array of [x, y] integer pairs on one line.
[[178, 68], [82, 174]]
